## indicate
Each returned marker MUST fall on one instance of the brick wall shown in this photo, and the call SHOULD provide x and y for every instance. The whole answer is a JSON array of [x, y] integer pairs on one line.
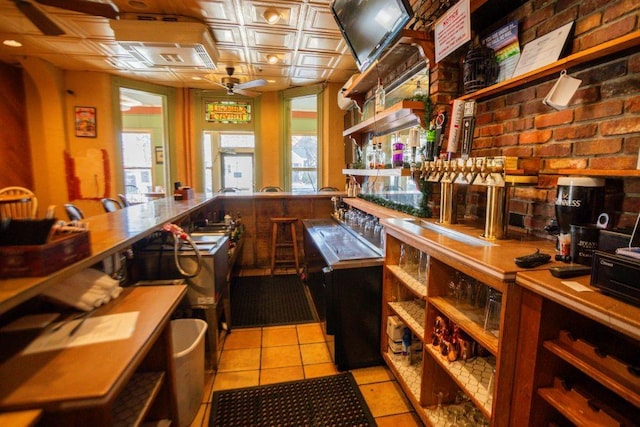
[[601, 128]]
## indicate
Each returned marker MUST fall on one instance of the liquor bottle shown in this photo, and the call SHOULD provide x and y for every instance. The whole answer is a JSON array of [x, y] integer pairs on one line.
[[397, 159], [381, 157], [380, 97]]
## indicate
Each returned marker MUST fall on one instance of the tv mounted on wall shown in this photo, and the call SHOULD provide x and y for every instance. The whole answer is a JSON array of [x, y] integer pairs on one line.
[[369, 26]]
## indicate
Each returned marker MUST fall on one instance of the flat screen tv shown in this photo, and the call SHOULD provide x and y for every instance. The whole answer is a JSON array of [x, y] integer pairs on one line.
[[368, 26]]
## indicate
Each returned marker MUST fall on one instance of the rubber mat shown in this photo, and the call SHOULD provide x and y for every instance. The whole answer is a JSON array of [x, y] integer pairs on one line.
[[270, 300], [326, 401]]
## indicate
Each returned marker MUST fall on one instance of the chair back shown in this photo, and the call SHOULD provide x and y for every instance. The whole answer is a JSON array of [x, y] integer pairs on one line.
[[110, 205], [228, 190], [323, 189], [270, 189], [73, 212], [123, 199], [18, 202]]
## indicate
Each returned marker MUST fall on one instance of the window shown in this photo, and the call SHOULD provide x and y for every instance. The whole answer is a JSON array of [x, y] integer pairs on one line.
[[136, 158], [228, 160], [303, 148]]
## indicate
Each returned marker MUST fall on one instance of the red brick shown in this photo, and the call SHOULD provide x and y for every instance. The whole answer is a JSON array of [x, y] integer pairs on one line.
[[627, 124], [621, 8], [495, 104], [553, 150], [507, 113], [575, 132], [518, 206], [518, 125], [631, 145], [538, 16], [588, 23], [588, 6], [479, 143], [518, 151], [634, 63], [554, 119], [505, 140], [520, 96], [491, 130], [531, 193], [530, 165], [535, 137], [567, 163], [484, 118], [613, 163], [602, 73], [621, 87], [598, 111], [548, 181], [586, 95], [558, 20], [609, 32], [590, 148], [534, 107]]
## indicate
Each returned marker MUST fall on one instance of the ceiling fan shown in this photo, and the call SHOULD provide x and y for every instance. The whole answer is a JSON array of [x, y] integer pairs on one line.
[[49, 27], [233, 85]]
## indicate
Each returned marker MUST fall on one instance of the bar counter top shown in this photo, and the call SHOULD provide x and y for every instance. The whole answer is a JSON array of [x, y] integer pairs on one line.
[[110, 233]]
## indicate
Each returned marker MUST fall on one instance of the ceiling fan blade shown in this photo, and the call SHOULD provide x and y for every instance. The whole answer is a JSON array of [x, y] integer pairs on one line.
[[251, 83], [39, 19], [106, 10], [249, 93]]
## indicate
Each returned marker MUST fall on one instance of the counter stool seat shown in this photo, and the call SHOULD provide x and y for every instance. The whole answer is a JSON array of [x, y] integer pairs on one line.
[[278, 241]]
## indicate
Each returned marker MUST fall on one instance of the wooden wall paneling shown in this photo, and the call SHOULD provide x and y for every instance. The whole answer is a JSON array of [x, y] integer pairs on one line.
[[15, 161]]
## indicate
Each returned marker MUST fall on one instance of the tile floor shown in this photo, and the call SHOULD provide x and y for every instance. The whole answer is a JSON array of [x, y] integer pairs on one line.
[[257, 356]]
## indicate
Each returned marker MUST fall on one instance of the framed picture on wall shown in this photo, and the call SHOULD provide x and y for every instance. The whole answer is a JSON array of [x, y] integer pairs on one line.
[[159, 155], [85, 122]]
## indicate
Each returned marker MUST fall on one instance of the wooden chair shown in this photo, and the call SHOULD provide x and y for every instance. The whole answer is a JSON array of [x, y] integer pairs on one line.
[[228, 190], [110, 205], [270, 189], [73, 212], [123, 199], [323, 189], [18, 202]]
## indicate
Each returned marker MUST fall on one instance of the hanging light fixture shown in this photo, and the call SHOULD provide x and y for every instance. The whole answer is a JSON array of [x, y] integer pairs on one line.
[[419, 91], [271, 15]]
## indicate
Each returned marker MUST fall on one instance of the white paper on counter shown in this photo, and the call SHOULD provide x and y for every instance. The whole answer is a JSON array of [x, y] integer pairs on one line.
[[576, 286], [95, 330]]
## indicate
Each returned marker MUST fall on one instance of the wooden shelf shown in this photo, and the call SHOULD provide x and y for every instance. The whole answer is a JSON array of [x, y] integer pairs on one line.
[[472, 376], [605, 369], [400, 116], [413, 284], [133, 404], [412, 314], [467, 320], [609, 48], [579, 408], [408, 43]]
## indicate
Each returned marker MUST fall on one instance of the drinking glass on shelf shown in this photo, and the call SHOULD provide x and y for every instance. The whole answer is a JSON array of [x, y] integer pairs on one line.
[[492, 311], [402, 259], [423, 266]]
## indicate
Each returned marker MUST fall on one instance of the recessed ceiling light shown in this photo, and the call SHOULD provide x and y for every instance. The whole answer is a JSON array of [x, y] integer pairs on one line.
[[271, 15], [272, 59], [137, 4], [196, 78], [12, 43]]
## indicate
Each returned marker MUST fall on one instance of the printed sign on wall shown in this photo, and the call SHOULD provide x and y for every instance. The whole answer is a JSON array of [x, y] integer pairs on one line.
[[452, 30], [228, 112]]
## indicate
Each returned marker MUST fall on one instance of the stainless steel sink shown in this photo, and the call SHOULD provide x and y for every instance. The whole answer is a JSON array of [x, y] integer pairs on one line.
[[451, 234]]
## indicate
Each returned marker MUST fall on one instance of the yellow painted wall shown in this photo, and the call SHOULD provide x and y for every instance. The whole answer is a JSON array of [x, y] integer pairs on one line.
[[268, 153]]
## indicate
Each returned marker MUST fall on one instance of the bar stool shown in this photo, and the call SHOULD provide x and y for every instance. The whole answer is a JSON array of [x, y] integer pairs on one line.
[[277, 242]]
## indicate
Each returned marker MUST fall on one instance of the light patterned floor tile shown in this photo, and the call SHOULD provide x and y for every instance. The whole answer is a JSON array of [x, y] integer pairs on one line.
[[385, 398], [243, 338], [320, 370], [239, 379], [374, 374], [315, 353], [280, 375], [239, 360], [310, 333], [279, 335], [279, 357]]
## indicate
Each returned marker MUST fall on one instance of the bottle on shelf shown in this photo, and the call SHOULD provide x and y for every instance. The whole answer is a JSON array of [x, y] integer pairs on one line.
[[371, 155], [397, 158], [380, 97], [381, 157]]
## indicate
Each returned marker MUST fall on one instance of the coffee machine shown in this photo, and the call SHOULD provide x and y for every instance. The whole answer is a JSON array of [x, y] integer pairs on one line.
[[579, 202]]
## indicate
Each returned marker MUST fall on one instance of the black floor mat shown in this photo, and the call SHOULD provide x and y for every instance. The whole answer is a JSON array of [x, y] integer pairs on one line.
[[269, 300], [335, 400]]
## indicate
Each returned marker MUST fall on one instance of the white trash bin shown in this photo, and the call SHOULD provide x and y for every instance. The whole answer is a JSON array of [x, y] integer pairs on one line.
[[188, 354]]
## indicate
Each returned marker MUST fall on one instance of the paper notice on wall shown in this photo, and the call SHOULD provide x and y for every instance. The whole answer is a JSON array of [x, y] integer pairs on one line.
[[452, 30], [543, 50], [504, 43]]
